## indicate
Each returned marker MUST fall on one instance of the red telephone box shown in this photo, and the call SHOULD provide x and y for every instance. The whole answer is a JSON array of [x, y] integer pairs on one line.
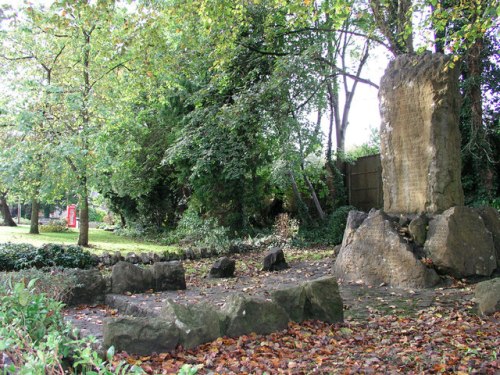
[[72, 216]]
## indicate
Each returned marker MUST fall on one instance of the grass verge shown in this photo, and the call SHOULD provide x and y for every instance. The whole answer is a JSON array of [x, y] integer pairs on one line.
[[100, 240]]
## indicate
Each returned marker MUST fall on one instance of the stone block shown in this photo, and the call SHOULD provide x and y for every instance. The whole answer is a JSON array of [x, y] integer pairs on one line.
[[459, 244]]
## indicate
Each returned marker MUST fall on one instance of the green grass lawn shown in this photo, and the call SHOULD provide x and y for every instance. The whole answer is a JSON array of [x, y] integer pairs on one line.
[[99, 239]]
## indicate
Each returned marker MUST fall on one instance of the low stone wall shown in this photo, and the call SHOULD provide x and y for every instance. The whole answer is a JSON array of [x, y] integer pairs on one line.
[[193, 324]]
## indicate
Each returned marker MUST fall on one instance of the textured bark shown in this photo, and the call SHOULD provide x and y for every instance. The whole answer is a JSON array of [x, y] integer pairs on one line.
[[34, 217], [7, 218], [83, 237]]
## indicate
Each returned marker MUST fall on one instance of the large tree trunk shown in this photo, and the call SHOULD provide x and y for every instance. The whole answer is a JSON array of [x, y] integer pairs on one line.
[[34, 217], [7, 218], [83, 237]]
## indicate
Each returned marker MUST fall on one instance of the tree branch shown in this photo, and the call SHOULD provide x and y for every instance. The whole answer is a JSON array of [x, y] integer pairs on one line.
[[119, 65]]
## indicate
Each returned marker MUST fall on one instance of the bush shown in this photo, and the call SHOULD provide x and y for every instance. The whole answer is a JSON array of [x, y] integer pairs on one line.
[[35, 340], [54, 226], [200, 232], [330, 232], [55, 284], [15, 257]]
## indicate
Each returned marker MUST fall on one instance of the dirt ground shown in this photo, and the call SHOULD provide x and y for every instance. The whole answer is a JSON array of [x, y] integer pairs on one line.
[[360, 301]]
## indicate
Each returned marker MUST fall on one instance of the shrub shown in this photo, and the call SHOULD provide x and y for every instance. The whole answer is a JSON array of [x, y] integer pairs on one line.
[[330, 232], [55, 284], [54, 226], [200, 232], [34, 339], [15, 257]]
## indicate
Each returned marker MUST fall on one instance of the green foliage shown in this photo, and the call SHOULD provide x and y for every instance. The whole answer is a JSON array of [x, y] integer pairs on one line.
[[54, 284], [20, 256], [35, 340], [54, 226], [330, 232], [372, 147], [189, 370], [96, 214], [200, 232]]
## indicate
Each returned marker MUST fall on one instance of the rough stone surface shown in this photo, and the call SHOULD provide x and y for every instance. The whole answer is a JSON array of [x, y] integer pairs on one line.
[[323, 300], [418, 229], [292, 300], [491, 219], [140, 335], [376, 254], [168, 276], [132, 258], [223, 267], [354, 220], [419, 135], [196, 324], [90, 287], [318, 299], [245, 315], [122, 304], [487, 296], [459, 244], [126, 277], [274, 260]]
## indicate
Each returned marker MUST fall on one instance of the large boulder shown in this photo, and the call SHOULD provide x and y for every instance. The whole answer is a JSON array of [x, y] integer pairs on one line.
[[197, 324], [126, 277], [491, 219], [168, 276], [223, 267], [274, 260], [376, 254], [89, 288], [459, 244], [487, 296], [140, 335], [249, 314], [318, 299], [354, 220]]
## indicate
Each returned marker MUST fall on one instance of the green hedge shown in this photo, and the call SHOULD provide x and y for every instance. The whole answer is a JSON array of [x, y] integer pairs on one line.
[[14, 257]]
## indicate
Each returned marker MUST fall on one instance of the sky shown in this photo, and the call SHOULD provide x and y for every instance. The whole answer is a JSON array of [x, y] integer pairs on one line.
[[364, 114]]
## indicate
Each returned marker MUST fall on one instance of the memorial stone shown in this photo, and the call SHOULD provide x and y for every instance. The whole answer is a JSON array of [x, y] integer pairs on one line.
[[419, 134]]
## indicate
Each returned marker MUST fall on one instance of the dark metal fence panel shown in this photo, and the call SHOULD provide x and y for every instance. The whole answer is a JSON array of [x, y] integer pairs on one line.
[[364, 183]]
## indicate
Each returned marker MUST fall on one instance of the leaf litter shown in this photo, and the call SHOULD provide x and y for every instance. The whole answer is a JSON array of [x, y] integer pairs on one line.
[[393, 334]]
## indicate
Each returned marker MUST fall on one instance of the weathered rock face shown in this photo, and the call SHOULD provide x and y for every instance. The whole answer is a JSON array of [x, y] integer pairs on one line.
[[487, 296], [375, 253], [126, 277], [223, 267], [168, 276], [245, 315], [419, 135], [323, 300], [418, 229], [318, 299], [354, 220], [90, 287], [459, 244], [196, 324], [140, 335], [491, 219], [274, 260]]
